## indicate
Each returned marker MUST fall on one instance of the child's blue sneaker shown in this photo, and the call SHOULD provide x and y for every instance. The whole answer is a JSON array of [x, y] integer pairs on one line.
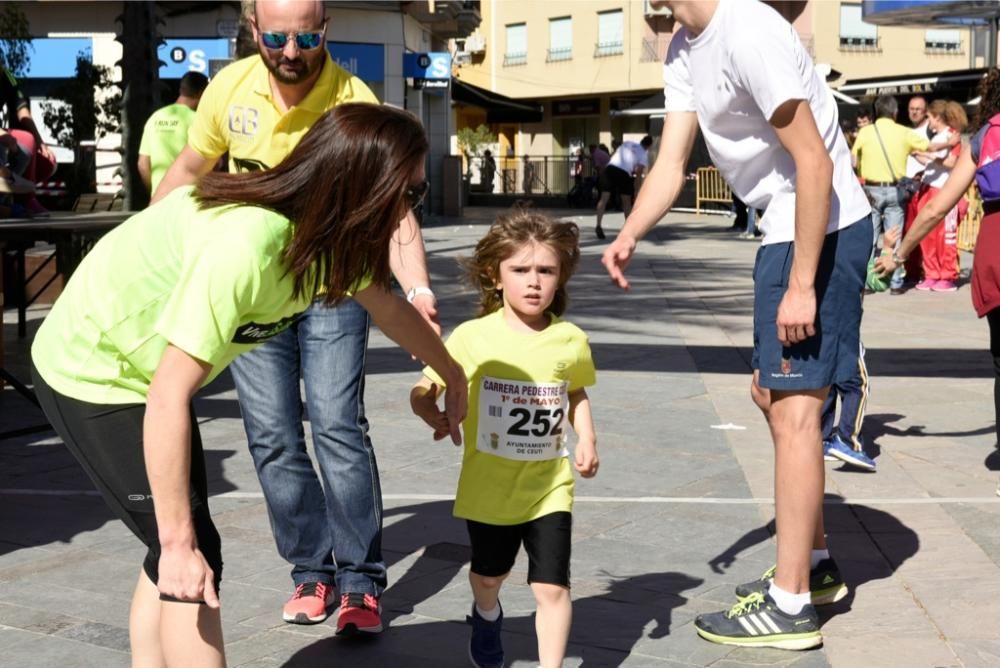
[[485, 648], [845, 453]]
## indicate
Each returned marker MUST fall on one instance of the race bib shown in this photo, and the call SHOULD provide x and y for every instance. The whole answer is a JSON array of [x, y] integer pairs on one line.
[[522, 420]]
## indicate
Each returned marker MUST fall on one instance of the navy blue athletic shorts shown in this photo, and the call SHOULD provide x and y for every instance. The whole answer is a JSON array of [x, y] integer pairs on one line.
[[831, 356]]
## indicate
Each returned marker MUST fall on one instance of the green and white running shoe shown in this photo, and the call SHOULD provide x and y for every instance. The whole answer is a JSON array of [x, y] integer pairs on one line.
[[826, 585], [756, 621]]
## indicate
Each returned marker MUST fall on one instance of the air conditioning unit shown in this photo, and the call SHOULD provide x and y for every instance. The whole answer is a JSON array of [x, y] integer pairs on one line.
[[462, 58], [475, 43], [661, 10]]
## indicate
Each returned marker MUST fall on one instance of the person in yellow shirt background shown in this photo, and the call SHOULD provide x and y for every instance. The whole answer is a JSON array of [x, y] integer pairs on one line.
[[328, 523], [165, 133], [880, 151]]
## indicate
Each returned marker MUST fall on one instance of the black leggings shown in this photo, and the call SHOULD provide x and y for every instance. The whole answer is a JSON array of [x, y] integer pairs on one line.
[[107, 441], [993, 318]]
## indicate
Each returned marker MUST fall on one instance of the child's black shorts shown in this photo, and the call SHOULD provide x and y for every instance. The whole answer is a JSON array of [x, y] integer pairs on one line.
[[547, 541], [107, 441]]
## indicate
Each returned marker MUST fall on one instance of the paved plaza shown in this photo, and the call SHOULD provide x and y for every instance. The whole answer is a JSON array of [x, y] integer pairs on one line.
[[678, 515]]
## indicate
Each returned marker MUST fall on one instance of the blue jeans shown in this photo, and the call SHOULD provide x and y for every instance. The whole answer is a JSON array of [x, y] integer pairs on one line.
[[887, 213], [329, 532]]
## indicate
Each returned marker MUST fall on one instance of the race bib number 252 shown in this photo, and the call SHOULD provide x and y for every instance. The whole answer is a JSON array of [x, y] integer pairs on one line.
[[522, 420]]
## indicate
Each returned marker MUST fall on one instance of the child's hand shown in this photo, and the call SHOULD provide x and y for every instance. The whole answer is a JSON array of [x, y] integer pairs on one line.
[[586, 461], [890, 237], [423, 402]]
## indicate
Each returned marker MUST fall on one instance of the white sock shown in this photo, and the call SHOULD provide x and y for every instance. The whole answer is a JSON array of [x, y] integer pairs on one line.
[[790, 604], [818, 556], [489, 615]]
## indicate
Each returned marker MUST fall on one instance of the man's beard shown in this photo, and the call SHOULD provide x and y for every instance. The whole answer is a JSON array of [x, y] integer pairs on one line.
[[300, 71]]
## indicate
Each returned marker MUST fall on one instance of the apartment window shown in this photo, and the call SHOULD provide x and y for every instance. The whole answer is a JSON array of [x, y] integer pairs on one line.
[[517, 44], [855, 34], [560, 39], [610, 34], [943, 41]]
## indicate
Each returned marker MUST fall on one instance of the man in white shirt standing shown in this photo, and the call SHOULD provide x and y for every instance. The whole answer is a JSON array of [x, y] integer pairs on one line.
[[739, 71], [630, 159]]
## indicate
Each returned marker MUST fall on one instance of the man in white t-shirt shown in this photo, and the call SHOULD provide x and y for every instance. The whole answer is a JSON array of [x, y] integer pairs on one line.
[[916, 108], [630, 160], [739, 71]]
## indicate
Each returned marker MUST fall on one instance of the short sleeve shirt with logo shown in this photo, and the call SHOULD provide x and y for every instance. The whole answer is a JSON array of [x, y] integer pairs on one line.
[[238, 114], [210, 282], [515, 467], [163, 138]]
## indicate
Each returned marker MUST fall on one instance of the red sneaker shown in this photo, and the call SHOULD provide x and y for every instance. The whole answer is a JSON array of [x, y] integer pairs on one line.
[[359, 613], [309, 603]]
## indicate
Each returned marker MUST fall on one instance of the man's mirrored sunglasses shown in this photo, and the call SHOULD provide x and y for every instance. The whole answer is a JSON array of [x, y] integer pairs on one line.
[[306, 41]]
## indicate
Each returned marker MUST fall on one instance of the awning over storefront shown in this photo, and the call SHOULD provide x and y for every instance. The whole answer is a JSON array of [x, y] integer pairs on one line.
[[959, 85], [499, 108], [653, 106]]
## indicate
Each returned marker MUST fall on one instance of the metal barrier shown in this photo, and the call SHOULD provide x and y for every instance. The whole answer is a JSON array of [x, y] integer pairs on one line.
[[711, 187], [525, 175]]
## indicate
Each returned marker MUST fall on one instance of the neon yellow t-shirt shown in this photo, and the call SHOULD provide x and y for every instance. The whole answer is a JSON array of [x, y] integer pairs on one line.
[[515, 467], [163, 138], [237, 113], [210, 282]]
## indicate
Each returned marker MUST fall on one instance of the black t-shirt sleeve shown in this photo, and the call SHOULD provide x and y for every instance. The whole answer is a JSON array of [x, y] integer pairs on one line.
[[11, 97]]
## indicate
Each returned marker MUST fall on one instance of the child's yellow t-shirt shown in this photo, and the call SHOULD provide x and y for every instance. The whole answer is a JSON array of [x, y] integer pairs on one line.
[[515, 466]]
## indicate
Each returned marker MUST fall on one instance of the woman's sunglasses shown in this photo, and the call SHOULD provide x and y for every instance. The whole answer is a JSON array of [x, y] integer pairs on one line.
[[415, 194], [305, 41]]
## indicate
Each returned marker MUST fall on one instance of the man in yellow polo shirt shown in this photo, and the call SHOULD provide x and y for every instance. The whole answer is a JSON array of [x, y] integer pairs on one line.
[[257, 109], [880, 151]]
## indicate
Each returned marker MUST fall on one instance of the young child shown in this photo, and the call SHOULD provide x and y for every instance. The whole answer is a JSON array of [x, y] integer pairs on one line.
[[527, 370]]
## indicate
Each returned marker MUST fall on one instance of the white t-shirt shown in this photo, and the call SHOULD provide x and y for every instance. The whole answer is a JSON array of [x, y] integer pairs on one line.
[[745, 64], [628, 155], [936, 174], [913, 166]]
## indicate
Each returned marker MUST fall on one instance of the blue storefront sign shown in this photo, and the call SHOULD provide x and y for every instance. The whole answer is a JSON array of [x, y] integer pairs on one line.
[[365, 61], [55, 57], [428, 70], [180, 56]]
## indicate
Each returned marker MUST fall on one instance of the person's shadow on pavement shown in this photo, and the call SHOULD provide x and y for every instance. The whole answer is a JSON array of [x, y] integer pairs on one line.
[[606, 628], [867, 544]]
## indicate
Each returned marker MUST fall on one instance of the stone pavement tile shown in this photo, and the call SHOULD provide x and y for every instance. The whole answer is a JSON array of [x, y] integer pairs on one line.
[[61, 601], [884, 650], [877, 607], [87, 572], [41, 621], [962, 608], [277, 643], [977, 653], [100, 635], [10, 636], [979, 522], [51, 651]]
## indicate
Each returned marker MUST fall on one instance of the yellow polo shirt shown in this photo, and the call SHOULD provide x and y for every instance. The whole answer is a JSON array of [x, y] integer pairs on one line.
[[899, 142], [238, 113]]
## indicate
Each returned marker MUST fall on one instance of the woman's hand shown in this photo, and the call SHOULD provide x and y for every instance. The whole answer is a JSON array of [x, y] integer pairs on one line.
[[185, 575], [423, 402]]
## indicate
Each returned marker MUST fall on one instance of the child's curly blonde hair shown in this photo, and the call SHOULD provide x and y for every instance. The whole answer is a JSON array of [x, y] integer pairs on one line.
[[506, 236]]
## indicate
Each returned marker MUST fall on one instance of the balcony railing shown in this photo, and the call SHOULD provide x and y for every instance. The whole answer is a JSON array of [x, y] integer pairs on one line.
[[556, 55], [605, 49], [511, 59], [861, 44], [943, 48]]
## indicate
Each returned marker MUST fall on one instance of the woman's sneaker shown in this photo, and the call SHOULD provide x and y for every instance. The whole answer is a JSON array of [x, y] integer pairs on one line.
[[309, 604], [926, 284], [757, 621], [836, 447], [825, 584], [944, 286], [485, 646]]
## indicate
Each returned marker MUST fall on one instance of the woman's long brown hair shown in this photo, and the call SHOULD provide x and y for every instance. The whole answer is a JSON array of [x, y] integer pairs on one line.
[[989, 99], [343, 188]]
